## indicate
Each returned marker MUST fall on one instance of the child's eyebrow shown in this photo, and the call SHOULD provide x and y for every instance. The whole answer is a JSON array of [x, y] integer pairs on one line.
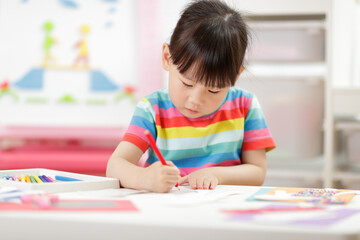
[[187, 77]]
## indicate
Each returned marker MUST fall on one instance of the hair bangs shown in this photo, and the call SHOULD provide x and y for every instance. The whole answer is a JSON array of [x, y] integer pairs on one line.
[[209, 45], [206, 57]]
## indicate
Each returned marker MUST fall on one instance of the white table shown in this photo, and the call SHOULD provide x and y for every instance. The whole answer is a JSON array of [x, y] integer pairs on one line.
[[163, 216]]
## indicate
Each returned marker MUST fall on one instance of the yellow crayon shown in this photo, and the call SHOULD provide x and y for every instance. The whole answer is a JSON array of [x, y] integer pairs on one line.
[[37, 179], [27, 179]]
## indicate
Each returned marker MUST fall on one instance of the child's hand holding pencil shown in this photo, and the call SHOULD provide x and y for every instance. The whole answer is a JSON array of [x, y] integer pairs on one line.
[[163, 175], [160, 178]]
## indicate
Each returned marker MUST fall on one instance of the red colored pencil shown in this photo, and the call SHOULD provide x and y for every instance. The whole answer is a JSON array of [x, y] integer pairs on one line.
[[156, 149]]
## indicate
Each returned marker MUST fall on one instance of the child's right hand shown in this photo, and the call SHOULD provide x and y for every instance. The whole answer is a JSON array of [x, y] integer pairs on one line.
[[160, 178]]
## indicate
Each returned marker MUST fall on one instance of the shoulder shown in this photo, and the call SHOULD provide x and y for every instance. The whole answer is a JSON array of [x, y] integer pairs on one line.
[[154, 98], [240, 97], [237, 92]]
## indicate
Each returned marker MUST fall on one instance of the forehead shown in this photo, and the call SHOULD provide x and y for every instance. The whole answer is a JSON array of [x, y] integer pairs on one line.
[[191, 73]]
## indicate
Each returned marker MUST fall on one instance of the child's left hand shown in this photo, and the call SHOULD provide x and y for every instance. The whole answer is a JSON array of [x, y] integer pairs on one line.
[[201, 179]]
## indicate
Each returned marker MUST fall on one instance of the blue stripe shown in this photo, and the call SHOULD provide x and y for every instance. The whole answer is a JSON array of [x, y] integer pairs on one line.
[[199, 161], [255, 124], [237, 93], [144, 123], [166, 104]]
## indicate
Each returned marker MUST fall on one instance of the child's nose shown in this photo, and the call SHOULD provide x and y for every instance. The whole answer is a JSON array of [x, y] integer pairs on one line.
[[197, 97]]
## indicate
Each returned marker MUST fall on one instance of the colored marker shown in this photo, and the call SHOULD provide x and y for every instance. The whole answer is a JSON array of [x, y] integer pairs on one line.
[[44, 179], [32, 179], [156, 149], [27, 179], [37, 179], [66, 179], [51, 179]]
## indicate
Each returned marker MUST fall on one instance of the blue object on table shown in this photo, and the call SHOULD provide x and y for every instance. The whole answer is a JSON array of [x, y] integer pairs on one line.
[[66, 179]]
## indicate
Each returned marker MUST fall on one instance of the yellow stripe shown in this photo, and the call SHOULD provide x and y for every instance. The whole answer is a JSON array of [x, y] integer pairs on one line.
[[145, 100], [186, 132]]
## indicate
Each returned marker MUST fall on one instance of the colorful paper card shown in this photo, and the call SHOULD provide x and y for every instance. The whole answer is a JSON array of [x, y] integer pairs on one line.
[[281, 215], [75, 205], [321, 196]]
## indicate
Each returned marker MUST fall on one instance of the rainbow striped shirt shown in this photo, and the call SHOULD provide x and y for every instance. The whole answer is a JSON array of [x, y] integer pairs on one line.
[[216, 139]]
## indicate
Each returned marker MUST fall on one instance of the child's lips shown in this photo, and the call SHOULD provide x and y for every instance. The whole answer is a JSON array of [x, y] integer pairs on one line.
[[191, 111]]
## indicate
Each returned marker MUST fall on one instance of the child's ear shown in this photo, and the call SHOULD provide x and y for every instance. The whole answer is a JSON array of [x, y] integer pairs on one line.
[[165, 57], [241, 70]]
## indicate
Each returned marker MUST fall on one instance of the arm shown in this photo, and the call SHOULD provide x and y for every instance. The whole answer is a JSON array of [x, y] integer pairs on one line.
[[251, 172], [156, 178]]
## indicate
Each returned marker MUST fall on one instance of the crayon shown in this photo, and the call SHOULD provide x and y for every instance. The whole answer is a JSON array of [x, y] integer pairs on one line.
[[43, 179], [66, 179], [51, 179], [32, 179], [27, 179], [37, 179]]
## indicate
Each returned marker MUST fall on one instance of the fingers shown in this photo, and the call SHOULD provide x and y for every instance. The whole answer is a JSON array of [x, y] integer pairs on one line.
[[213, 184], [203, 182], [183, 180], [206, 183], [173, 166], [162, 178]]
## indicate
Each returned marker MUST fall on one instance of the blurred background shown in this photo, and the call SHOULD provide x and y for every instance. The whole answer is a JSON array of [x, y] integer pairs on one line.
[[71, 72]]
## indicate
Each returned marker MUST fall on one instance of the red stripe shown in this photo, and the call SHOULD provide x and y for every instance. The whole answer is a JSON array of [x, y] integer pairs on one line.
[[138, 141], [267, 143], [222, 115]]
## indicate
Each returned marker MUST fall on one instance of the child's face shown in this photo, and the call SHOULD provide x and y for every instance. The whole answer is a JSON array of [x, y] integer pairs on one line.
[[190, 98], [193, 99]]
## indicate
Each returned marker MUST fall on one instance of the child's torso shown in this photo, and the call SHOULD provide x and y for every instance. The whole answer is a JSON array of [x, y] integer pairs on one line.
[[212, 140]]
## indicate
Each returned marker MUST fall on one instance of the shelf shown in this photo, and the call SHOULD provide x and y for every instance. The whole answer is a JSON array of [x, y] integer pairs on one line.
[[312, 70], [347, 125], [347, 176], [294, 174], [346, 101], [288, 7]]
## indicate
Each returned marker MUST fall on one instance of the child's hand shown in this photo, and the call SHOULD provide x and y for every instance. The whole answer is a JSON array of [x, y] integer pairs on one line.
[[161, 178], [201, 179]]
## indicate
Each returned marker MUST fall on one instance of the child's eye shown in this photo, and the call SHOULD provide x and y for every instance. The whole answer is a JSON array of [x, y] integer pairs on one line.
[[186, 85], [213, 92]]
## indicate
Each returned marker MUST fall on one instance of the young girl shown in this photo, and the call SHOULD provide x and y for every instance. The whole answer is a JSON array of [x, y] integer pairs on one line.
[[209, 131]]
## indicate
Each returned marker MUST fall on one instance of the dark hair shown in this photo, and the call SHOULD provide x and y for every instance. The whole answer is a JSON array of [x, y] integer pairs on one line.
[[210, 38]]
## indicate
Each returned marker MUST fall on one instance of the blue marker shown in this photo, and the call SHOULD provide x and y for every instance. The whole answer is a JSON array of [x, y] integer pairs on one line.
[[42, 179], [66, 179]]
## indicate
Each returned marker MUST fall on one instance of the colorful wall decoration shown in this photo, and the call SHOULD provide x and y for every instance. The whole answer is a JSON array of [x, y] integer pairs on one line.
[[71, 62]]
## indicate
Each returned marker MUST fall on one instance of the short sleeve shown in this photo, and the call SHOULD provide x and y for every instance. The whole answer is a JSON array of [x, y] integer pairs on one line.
[[143, 119], [256, 132]]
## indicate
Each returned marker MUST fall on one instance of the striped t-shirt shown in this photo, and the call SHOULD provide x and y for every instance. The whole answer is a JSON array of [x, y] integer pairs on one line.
[[216, 139]]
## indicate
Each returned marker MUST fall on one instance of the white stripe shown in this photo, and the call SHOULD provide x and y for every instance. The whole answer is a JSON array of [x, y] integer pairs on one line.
[[147, 107], [255, 104]]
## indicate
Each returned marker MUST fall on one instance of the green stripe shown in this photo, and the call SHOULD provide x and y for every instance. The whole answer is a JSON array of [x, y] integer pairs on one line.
[[255, 114]]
